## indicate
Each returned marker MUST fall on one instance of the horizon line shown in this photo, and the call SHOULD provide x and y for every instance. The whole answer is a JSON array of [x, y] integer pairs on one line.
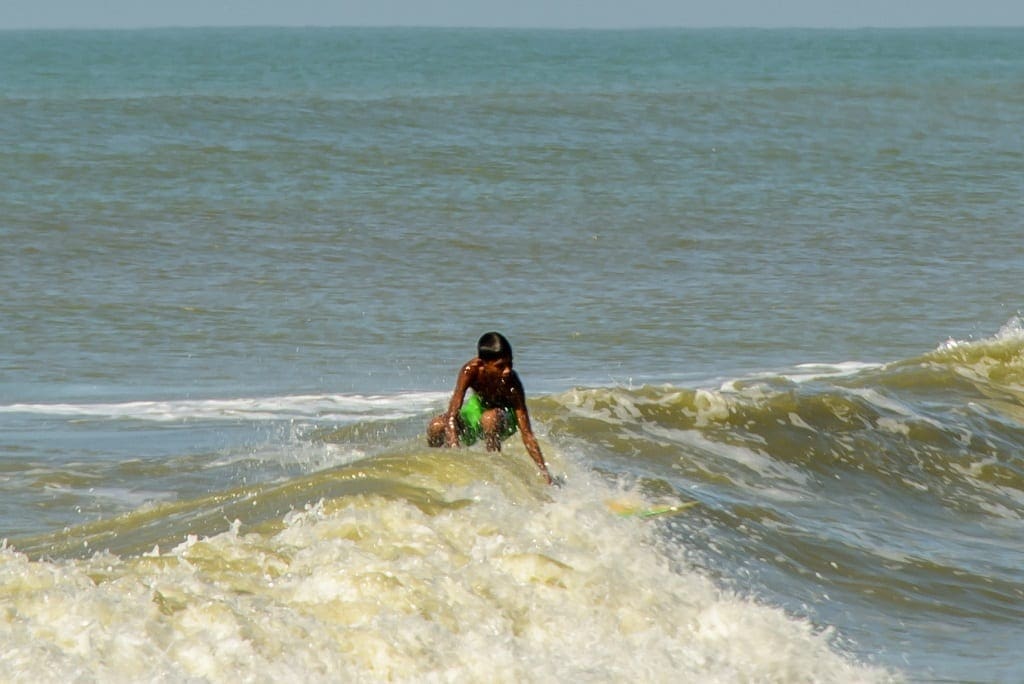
[[523, 27]]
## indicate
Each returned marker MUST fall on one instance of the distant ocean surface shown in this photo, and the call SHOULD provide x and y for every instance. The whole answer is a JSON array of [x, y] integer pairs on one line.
[[775, 273]]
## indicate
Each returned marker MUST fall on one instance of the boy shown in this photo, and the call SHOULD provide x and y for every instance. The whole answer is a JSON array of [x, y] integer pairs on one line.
[[496, 408]]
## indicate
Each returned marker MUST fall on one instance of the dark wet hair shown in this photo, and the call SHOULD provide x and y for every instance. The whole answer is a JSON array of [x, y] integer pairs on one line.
[[493, 345]]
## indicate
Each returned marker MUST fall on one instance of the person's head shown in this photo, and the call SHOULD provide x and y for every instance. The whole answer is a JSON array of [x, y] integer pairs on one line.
[[493, 345]]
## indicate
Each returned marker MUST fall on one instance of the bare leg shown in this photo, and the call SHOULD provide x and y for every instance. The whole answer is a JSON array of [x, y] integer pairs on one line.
[[493, 424], [435, 431]]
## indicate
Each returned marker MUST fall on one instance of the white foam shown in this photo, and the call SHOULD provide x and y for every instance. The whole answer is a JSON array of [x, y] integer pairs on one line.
[[371, 590], [1011, 331], [807, 372], [133, 498], [330, 407]]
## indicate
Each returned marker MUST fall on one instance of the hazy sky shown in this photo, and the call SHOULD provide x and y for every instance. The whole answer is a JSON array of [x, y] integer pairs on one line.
[[511, 13]]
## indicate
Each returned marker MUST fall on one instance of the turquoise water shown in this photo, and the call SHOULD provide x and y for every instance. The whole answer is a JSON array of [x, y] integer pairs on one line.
[[775, 272]]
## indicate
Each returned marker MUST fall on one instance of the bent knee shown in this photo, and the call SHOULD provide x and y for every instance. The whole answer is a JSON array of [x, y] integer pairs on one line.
[[492, 421], [435, 432]]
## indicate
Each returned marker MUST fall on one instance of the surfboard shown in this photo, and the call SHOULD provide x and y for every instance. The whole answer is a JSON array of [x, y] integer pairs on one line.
[[633, 510]]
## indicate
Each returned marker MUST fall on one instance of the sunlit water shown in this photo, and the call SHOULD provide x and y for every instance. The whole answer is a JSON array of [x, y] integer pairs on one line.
[[776, 273]]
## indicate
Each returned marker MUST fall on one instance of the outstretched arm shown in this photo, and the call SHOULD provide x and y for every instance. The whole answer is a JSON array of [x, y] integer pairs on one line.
[[526, 430], [530, 442]]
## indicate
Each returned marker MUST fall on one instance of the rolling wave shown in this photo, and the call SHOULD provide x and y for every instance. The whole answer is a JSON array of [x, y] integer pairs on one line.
[[816, 488], [338, 408]]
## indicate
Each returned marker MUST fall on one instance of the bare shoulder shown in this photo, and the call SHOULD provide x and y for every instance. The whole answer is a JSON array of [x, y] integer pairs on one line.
[[472, 367], [470, 373], [515, 390]]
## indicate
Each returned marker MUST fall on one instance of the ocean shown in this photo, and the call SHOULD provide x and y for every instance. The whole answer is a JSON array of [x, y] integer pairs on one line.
[[772, 277]]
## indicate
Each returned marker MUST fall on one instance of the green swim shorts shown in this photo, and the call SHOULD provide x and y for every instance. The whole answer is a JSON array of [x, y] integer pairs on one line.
[[472, 411]]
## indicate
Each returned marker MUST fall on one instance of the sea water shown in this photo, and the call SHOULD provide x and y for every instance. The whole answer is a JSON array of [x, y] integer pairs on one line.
[[775, 273]]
